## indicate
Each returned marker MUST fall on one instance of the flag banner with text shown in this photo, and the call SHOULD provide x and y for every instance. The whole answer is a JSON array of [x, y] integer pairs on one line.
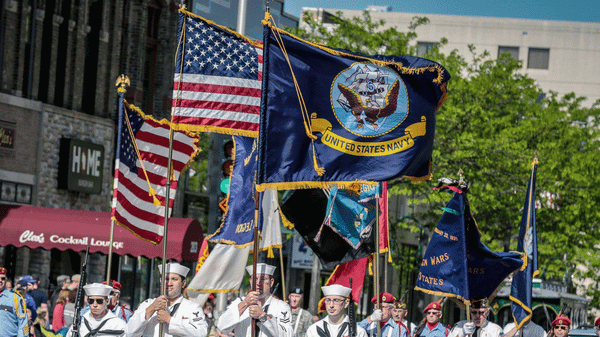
[[237, 227], [456, 264], [217, 82], [522, 282], [350, 118], [139, 187], [306, 209], [352, 213]]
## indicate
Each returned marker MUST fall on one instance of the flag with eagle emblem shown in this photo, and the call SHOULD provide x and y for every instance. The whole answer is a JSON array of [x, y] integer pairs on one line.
[[332, 117]]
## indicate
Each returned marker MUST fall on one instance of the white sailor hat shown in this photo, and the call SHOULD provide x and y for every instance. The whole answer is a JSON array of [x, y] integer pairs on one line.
[[262, 268], [175, 268], [97, 289], [336, 290]]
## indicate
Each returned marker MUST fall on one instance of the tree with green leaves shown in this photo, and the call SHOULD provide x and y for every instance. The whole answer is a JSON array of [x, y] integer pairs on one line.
[[494, 122]]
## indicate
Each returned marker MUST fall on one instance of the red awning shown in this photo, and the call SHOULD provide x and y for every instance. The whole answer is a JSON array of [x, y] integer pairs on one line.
[[74, 229]]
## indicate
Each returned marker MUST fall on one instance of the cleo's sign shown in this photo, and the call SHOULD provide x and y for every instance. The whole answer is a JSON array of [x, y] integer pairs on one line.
[[81, 166]]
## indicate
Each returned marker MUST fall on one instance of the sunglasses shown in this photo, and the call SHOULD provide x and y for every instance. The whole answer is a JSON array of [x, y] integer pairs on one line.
[[478, 313], [3, 278], [97, 300], [560, 327]]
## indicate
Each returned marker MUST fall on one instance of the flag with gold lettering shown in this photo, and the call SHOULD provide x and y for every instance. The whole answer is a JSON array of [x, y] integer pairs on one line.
[[457, 264], [237, 227], [331, 117]]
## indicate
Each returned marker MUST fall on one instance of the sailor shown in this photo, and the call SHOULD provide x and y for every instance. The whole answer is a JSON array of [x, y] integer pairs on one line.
[[120, 310], [273, 316], [561, 326], [389, 328], [399, 316], [480, 327], [13, 314], [178, 315], [301, 319], [336, 323], [99, 321], [433, 327], [530, 329]]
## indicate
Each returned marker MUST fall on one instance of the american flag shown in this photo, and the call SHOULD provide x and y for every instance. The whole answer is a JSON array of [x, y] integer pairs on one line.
[[132, 206], [218, 77]]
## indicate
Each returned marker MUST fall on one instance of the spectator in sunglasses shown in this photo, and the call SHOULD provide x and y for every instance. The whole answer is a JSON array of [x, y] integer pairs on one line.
[[99, 321]]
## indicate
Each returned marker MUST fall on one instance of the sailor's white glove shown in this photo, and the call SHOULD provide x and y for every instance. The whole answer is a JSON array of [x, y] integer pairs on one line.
[[469, 328], [376, 316]]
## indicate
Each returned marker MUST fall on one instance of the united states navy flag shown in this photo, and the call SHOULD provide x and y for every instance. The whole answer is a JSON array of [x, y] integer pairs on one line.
[[456, 264], [521, 287], [332, 117]]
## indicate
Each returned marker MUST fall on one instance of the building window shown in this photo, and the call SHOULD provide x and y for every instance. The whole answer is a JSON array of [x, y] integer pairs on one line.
[[512, 51], [538, 58], [423, 48]]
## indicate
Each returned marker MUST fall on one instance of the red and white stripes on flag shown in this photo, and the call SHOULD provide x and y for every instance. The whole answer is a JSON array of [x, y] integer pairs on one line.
[[218, 77], [134, 206]]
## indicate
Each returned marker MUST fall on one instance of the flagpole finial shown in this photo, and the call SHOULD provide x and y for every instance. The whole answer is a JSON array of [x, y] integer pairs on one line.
[[122, 82], [460, 176], [182, 5]]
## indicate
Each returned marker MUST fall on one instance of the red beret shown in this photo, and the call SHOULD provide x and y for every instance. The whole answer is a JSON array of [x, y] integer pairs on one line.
[[432, 305], [561, 320], [384, 298], [114, 284], [597, 323], [2, 271]]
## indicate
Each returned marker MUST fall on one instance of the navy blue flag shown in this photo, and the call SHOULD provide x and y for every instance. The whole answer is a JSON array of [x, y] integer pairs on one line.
[[456, 263], [522, 283], [237, 227], [360, 119]]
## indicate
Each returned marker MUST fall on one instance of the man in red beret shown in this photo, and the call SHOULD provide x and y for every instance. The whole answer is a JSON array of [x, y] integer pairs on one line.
[[561, 326], [597, 325], [382, 317], [433, 328]]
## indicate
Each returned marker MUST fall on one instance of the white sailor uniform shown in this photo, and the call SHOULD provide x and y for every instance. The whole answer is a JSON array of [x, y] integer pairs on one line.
[[187, 319], [280, 325], [107, 326], [324, 328]]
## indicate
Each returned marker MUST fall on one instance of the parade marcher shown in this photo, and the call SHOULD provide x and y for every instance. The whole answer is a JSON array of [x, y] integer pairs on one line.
[[336, 323], [120, 310], [13, 314], [480, 327], [301, 319], [179, 316], [399, 316], [273, 316], [561, 326], [433, 327], [530, 329], [99, 321], [389, 328], [597, 325]]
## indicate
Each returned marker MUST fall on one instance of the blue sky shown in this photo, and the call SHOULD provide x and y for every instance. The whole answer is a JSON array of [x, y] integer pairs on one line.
[[573, 10]]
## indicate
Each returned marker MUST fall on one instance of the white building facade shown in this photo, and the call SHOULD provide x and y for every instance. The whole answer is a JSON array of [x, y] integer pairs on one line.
[[560, 56]]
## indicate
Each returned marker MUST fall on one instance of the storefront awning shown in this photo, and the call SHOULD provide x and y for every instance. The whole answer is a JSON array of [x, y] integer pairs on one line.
[[64, 229]]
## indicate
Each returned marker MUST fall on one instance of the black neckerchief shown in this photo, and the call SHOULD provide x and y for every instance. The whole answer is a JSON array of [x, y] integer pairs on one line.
[[325, 332], [94, 332]]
